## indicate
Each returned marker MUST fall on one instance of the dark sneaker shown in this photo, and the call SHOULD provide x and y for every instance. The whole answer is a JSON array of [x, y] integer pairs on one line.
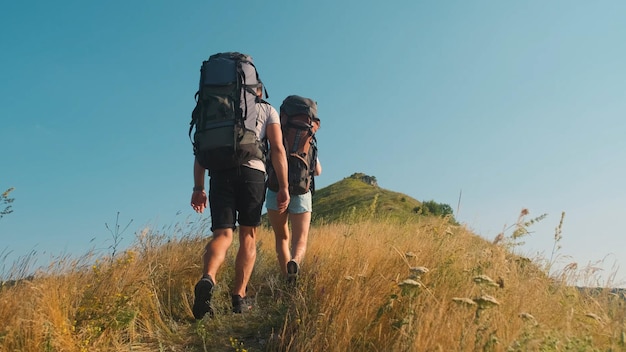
[[292, 271], [240, 304], [202, 300]]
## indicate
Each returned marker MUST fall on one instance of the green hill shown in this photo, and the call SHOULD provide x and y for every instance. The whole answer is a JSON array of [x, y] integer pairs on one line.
[[359, 196]]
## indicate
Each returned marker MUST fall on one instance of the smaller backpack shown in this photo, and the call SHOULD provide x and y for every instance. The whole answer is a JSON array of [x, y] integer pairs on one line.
[[298, 122], [225, 113]]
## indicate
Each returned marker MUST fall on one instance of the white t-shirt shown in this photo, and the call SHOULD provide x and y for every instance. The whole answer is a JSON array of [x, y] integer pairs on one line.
[[266, 114]]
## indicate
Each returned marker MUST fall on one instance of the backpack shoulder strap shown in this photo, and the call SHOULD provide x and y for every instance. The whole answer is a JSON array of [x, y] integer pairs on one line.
[[194, 115], [261, 101]]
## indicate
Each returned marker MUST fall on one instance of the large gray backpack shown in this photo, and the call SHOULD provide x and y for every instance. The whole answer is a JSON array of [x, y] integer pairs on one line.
[[226, 112]]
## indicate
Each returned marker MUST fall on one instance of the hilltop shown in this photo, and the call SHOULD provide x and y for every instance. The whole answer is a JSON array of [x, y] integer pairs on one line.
[[360, 196]]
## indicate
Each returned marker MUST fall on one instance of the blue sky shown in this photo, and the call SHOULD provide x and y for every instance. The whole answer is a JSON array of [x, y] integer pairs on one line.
[[509, 104]]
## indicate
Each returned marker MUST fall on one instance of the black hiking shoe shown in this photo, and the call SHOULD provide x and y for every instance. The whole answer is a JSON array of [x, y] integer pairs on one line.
[[292, 271], [240, 304], [202, 300]]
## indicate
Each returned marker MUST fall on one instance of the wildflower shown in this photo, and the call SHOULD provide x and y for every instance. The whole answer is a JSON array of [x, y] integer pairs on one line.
[[485, 280], [410, 283], [527, 317], [410, 287], [486, 301], [498, 238], [419, 270]]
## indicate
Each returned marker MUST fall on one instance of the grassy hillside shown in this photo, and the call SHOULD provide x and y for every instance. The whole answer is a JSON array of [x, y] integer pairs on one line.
[[367, 284], [360, 196]]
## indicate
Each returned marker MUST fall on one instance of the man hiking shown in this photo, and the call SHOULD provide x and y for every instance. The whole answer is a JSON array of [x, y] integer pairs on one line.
[[236, 193]]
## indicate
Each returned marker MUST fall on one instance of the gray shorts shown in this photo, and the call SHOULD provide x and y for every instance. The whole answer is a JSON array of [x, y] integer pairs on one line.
[[297, 205]]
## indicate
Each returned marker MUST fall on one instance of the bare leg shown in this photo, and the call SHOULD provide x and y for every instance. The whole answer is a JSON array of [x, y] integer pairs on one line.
[[281, 235], [300, 224], [246, 256], [215, 251]]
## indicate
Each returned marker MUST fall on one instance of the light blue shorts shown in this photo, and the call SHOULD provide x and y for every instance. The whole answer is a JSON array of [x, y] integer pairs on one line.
[[297, 205]]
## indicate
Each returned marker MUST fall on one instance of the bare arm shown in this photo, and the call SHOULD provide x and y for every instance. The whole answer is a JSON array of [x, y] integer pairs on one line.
[[279, 162], [198, 197], [318, 168]]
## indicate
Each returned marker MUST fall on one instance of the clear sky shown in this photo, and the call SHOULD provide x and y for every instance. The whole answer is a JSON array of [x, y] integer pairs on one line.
[[505, 105]]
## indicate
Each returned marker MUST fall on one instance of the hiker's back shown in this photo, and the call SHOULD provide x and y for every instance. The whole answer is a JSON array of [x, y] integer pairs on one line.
[[299, 122], [226, 113]]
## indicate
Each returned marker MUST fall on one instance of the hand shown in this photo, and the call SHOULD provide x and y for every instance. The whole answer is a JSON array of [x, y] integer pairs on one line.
[[198, 201], [282, 199]]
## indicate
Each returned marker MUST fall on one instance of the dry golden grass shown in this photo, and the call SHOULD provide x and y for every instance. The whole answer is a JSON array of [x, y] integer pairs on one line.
[[365, 286]]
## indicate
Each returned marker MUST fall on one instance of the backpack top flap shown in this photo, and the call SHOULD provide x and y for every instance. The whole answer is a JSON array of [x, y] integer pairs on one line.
[[297, 105], [221, 69], [299, 122]]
